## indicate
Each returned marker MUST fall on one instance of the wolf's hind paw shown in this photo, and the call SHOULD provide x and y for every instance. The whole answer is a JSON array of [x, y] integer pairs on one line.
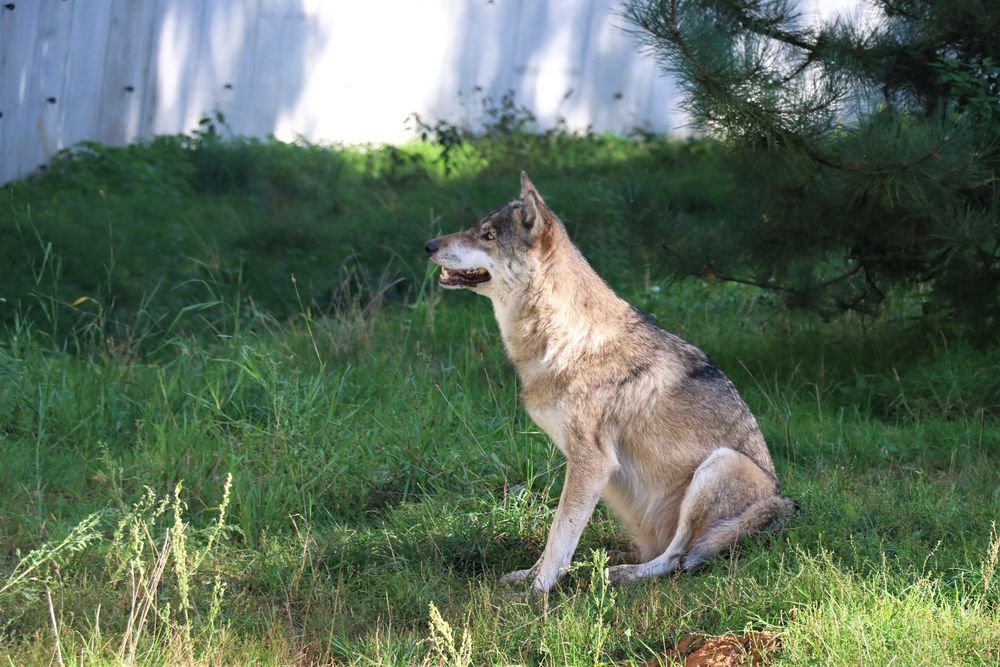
[[620, 574]]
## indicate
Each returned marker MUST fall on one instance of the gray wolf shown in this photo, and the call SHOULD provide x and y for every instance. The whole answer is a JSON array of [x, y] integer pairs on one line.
[[645, 420]]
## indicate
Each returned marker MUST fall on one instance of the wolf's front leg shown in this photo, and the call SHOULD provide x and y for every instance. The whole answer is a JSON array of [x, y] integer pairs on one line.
[[585, 480]]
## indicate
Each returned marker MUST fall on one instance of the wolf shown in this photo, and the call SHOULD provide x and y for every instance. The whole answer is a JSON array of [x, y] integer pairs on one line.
[[644, 419]]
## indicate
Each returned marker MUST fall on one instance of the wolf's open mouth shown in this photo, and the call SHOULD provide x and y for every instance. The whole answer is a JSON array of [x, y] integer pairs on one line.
[[463, 278]]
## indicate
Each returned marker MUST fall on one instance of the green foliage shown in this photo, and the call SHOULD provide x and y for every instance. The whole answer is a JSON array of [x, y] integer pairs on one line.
[[505, 135], [973, 88], [865, 154], [378, 455], [205, 231]]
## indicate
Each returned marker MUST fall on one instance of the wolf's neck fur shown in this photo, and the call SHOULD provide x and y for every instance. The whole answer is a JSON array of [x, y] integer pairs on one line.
[[566, 313]]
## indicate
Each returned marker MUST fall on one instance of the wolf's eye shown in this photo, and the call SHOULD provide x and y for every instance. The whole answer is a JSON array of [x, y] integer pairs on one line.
[[490, 235]]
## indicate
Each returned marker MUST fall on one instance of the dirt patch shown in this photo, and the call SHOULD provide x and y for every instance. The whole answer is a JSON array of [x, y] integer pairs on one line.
[[698, 650]]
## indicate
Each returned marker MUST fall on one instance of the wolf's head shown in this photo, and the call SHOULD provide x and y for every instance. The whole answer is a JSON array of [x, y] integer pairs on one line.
[[500, 252]]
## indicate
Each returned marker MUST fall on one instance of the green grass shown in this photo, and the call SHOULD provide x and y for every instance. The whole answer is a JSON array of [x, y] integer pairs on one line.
[[155, 348]]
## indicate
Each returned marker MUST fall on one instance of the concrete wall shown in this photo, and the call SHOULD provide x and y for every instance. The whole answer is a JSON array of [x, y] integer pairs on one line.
[[328, 70]]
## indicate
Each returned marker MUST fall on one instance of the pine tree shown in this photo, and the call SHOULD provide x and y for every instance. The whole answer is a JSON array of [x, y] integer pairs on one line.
[[869, 150]]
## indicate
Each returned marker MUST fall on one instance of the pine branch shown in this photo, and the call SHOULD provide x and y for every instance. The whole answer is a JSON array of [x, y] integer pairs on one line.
[[844, 276], [768, 28], [901, 189], [771, 287]]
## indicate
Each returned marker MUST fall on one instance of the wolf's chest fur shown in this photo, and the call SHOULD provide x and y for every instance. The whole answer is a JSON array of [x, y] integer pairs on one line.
[[552, 420], [556, 349]]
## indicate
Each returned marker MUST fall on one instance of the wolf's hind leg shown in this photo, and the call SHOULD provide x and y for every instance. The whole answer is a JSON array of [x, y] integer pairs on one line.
[[769, 513], [723, 489]]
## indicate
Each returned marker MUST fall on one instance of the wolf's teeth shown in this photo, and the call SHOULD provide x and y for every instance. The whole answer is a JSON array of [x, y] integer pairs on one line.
[[444, 273]]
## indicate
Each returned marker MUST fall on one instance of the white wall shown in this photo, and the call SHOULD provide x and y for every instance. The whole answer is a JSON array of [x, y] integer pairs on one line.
[[328, 70]]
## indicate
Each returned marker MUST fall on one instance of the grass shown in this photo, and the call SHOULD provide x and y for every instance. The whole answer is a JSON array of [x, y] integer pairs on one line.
[[208, 462]]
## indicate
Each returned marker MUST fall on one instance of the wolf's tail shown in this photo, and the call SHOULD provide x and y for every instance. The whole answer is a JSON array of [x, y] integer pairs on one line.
[[767, 514]]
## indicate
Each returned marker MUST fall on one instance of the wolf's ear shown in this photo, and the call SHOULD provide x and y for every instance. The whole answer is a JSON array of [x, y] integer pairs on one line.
[[536, 209], [536, 221], [527, 187]]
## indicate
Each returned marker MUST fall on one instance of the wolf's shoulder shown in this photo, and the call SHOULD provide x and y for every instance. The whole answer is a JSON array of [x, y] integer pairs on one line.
[[695, 362]]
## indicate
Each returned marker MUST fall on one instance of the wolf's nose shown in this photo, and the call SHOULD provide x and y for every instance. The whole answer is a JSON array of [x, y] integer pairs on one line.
[[431, 246]]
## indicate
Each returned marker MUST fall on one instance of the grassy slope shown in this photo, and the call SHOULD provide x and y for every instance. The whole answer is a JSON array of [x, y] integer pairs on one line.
[[380, 460]]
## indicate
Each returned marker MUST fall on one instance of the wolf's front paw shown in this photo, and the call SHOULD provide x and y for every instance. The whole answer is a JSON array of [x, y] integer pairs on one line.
[[516, 577]]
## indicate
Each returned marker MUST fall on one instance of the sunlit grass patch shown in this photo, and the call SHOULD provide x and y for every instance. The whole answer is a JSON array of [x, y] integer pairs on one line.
[[379, 459]]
